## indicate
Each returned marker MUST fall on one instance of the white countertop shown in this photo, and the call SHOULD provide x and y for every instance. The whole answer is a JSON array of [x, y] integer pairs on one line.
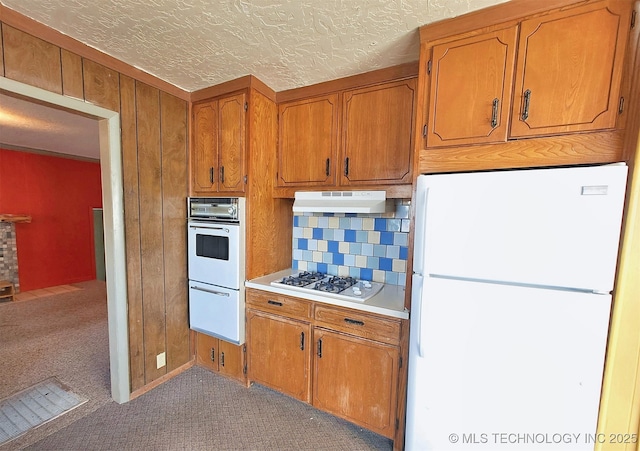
[[389, 301]]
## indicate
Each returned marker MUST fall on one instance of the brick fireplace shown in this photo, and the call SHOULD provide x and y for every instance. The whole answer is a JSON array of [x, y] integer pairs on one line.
[[9, 250]]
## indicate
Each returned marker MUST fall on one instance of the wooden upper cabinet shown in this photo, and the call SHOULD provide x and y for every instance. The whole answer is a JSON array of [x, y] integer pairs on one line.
[[308, 141], [471, 83], [231, 133], [218, 148], [569, 70], [377, 134], [204, 149]]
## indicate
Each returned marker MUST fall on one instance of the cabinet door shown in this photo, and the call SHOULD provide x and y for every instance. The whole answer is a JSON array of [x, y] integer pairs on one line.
[[231, 145], [308, 141], [356, 379], [207, 351], [231, 360], [568, 70], [377, 134], [279, 353], [204, 151], [471, 89]]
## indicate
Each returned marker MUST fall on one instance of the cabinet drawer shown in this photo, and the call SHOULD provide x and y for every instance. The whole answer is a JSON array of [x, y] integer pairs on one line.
[[357, 323], [278, 304]]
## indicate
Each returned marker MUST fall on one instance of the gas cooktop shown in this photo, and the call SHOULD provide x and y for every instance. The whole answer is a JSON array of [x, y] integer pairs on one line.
[[347, 288]]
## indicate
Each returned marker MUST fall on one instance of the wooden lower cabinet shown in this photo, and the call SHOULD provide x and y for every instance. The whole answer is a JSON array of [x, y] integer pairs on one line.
[[279, 355], [356, 379], [221, 356], [351, 358]]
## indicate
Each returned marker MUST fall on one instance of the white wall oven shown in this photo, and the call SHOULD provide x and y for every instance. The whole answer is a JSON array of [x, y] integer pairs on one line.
[[216, 249]]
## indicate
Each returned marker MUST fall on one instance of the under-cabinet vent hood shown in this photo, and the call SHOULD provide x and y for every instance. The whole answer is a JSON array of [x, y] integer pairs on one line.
[[340, 202]]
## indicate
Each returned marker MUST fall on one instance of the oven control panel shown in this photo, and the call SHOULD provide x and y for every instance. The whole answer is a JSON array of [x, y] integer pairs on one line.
[[213, 208]]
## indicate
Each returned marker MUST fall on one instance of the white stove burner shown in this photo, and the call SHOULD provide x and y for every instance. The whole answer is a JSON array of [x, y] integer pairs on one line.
[[345, 288]]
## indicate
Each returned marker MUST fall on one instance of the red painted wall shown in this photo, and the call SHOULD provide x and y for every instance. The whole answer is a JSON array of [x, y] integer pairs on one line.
[[56, 248]]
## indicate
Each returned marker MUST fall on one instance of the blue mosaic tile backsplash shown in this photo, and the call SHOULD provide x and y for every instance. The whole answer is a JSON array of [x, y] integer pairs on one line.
[[365, 246]]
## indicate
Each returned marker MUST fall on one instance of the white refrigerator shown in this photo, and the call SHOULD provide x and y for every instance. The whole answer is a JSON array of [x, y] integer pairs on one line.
[[511, 297]]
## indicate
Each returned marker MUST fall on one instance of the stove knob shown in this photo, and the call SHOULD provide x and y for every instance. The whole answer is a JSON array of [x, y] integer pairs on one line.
[[366, 284], [357, 291]]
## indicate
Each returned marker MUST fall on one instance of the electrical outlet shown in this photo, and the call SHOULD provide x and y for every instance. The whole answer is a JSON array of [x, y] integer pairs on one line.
[[161, 360]]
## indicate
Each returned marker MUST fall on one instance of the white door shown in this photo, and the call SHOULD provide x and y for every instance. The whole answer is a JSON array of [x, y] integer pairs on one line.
[[550, 227], [216, 311], [214, 254], [490, 359]]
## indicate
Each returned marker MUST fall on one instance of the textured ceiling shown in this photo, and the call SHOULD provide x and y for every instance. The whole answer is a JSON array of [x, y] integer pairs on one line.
[[194, 44]]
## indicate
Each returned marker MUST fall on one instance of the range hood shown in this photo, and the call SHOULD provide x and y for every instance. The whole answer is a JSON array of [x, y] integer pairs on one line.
[[340, 202]]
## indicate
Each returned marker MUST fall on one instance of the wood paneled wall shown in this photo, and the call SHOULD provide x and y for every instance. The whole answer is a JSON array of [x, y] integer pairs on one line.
[[154, 154]]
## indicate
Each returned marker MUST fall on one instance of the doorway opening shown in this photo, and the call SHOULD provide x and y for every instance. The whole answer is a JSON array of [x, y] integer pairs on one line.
[[113, 221]]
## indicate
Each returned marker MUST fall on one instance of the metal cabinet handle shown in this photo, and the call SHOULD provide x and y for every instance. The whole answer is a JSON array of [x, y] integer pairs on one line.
[[279, 304], [213, 354], [355, 322], [326, 169], [525, 106], [302, 341], [320, 348], [346, 167], [219, 293], [211, 175], [222, 358], [222, 174], [494, 113]]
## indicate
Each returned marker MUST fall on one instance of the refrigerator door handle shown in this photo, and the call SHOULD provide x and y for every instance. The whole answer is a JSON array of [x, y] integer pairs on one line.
[[422, 192], [417, 310]]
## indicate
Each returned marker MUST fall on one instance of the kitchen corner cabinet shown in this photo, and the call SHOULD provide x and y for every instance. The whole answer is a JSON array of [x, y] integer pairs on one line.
[[221, 356], [218, 149], [353, 137], [352, 358], [566, 77]]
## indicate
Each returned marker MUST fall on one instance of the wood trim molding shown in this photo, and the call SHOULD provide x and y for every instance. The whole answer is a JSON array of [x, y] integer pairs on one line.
[[407, 70], [494, 15], [246, 82], [587, 148], [161, 380], [41, 31]]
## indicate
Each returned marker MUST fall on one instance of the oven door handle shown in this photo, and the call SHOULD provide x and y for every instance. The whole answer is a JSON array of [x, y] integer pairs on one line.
[[219, 293], [208, 227]]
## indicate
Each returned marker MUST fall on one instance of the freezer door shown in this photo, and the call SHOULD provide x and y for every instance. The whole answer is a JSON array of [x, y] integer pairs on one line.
[[488, 360], [550, 227]]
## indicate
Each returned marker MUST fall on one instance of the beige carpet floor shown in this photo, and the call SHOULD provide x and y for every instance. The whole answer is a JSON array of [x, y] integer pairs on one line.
[[66, 336]]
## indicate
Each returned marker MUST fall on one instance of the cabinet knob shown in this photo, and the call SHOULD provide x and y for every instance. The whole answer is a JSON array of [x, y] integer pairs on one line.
[[213, 354], [346, 167], [302, 341], [327, 169], [320, 348], [211, 175]]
